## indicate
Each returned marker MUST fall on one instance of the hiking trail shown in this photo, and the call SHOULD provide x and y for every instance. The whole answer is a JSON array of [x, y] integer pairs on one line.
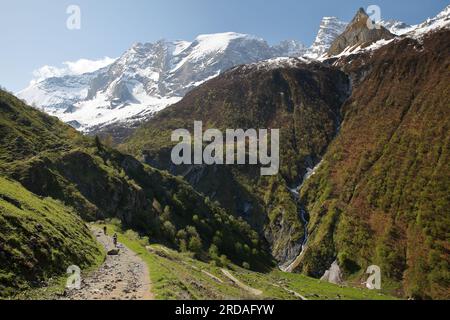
[[123, 276]]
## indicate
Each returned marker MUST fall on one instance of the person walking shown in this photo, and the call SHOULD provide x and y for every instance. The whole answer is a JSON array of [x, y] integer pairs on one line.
[[115, 239]]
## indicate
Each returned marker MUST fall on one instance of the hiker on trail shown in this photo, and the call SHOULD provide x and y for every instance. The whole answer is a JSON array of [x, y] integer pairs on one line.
[[115, 239], [105, 230]]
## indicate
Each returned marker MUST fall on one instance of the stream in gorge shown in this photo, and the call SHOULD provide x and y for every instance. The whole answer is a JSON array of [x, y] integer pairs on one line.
[[290, 266]]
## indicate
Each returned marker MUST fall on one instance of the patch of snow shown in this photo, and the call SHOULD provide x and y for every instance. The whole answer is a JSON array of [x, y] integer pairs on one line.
[[396, 27], [208, 44], [99, 112], [70, 68], [275, 63], [180, 46], [351, 50], [442, 20]]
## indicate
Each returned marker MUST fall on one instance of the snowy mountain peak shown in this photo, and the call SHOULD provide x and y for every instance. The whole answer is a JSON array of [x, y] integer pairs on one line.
[[358, 34], [330, 29], [396, 27], [444, 14], [222, 39], [400, 30], [215, 43], [179, 46], [148, 77], [441, 20]]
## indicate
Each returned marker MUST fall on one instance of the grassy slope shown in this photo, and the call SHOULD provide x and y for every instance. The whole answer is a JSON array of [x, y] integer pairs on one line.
[[177, 276], [25, 132], [39, 238], [51, 159], [382, 195]]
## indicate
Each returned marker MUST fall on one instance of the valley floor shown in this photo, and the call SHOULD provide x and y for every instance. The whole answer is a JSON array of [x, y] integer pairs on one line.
[[146, 272], [177, 276]]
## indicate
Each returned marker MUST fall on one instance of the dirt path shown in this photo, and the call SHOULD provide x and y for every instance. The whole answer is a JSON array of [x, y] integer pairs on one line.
[[121, 277], [251, 290], [298, 295]]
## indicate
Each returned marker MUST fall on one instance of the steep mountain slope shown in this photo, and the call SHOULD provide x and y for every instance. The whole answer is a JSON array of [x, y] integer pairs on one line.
[[330, 29], [39, 238], [59, 93], [381, 194], [358, 34], [400, 28], [147, 78], [51, 159], [442, 20], [300, 97], [396, 27]]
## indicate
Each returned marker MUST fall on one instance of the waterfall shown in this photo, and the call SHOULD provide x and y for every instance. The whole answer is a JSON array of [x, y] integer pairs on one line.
[[289, 267]]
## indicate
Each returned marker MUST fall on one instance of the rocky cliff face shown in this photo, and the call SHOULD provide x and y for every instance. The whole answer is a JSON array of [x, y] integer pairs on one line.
[[358, 34], [330, 29]]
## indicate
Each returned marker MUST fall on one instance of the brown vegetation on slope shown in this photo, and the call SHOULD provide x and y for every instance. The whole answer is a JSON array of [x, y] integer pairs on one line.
[[382, 195]]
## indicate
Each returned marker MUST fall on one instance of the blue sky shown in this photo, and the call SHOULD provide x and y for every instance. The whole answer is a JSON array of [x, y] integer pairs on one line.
[[34, 33]]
